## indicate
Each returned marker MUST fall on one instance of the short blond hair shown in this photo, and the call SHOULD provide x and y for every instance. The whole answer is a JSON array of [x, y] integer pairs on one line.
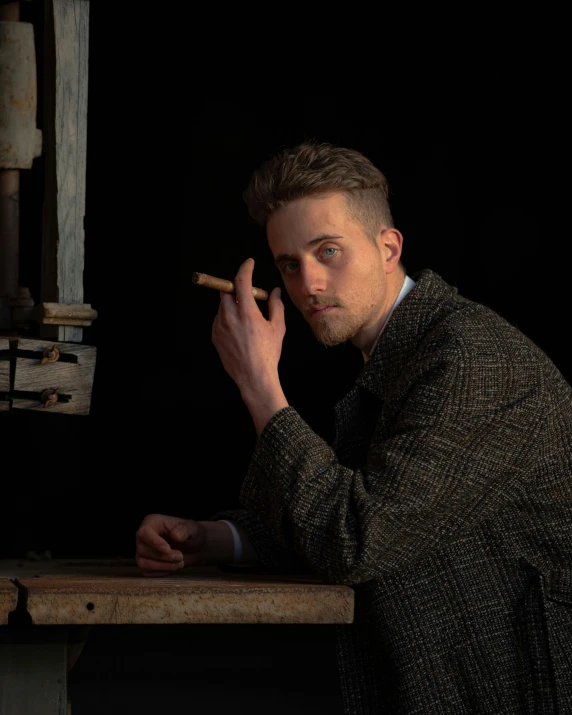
[[313, 168]]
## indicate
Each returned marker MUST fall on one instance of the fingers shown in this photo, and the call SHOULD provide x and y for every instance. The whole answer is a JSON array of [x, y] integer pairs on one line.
[[242, 297], [156, 552], [147, 535], [158, 568], [150, 554], [228, 302], [185, 531], [243, 284], [151, 565], [153, 553], [148, 559], [276, 307]]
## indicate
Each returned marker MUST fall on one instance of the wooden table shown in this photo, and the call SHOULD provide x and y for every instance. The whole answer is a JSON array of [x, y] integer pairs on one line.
[[47, 608]]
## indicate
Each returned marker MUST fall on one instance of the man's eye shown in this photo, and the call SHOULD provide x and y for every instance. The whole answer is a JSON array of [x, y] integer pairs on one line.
[[289, 267], [329, 252]]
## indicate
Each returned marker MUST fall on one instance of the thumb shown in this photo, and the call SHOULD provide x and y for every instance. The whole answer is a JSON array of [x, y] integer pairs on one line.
[[182, 531], [275, 306]]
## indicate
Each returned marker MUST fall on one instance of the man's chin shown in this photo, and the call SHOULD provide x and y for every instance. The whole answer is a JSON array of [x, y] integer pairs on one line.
[[328, 335]]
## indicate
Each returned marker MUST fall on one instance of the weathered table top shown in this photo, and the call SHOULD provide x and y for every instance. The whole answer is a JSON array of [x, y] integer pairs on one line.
[[85, 592], [8, 599]]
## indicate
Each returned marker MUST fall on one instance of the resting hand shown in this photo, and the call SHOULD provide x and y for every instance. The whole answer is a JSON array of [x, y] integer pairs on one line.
[[165, 544]]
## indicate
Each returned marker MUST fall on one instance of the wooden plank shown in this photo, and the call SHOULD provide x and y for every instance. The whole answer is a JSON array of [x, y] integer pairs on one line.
[[65, 133], [31, 568], [76, 594], [33, 678], [4, 367], [186, 598], [69, 378], [8, 599]]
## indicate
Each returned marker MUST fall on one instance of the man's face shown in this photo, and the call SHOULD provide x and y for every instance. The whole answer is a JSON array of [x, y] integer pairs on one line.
[[334, 274]]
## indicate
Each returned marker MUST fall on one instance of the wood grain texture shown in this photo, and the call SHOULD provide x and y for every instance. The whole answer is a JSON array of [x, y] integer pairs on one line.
[[33, 678], [20, 140], [4, 368], [74, 379], [8, 599], [80, 311], [65, 129], [82, 595]]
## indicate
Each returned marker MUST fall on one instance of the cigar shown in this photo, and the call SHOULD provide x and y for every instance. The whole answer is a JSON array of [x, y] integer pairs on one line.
[[202, 279]]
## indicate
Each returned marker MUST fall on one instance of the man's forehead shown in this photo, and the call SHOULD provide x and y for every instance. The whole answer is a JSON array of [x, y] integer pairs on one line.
[[308, 217], [314, 205]]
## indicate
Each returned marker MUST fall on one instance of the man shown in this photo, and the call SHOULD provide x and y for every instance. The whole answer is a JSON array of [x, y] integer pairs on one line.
[[445, 500]]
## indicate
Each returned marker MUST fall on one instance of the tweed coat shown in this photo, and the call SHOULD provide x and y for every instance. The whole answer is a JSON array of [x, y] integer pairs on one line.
[[445, 501]]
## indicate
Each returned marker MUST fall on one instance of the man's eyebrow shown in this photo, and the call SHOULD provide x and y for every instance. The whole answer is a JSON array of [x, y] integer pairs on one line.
[[318, 239]]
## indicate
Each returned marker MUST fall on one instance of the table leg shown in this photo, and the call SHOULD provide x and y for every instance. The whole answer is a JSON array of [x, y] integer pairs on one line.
[[33, 678]]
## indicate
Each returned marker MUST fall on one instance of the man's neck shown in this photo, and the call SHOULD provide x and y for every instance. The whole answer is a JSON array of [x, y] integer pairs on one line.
[[366, 340]]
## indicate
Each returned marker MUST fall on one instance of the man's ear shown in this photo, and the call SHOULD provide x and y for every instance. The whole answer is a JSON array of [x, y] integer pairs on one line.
[[390, 244]]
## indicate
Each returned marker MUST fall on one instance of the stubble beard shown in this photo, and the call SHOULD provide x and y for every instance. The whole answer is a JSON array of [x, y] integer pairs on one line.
[[331, 331]]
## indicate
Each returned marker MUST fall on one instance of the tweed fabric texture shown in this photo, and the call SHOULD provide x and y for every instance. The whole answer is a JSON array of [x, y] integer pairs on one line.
[[445, 501]]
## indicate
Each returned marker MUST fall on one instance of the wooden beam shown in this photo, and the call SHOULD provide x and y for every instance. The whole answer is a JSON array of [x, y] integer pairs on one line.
[[4, 376], [33, 678], [85, 592], [71, 378], [65, 138]]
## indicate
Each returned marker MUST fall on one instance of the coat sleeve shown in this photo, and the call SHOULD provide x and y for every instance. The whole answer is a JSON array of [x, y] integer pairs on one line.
[[273, 556], [456, 450]]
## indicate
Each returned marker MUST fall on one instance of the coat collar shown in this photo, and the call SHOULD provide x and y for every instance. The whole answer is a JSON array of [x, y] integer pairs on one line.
[[422, 307]]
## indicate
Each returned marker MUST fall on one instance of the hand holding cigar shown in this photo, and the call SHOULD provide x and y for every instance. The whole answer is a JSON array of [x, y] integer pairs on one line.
[[202, 279]]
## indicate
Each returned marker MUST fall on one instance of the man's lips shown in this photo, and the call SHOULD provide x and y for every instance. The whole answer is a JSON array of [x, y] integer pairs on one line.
[[317, 311]]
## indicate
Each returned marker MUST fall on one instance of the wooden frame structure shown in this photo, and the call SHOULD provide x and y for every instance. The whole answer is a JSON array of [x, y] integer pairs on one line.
[[53, 371]]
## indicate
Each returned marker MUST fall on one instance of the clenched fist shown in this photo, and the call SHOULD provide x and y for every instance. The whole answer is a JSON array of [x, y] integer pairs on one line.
[[164, 544]]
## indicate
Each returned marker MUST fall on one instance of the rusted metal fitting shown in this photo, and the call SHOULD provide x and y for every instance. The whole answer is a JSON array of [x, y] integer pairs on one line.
[[50, 355], [49, 397]]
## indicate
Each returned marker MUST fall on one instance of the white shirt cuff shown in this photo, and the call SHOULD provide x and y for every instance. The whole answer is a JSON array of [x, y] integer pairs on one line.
[[237, 542]]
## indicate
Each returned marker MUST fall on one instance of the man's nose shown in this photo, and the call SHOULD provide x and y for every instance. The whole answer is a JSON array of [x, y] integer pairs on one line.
[[313, 279]]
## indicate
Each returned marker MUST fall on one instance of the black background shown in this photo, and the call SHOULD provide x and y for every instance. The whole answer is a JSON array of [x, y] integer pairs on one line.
[[178, 119], [475, 199]]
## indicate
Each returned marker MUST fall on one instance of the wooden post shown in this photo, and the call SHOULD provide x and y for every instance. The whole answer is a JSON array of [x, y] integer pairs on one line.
[[9, 203], [9, 233], [4, 376], [33, 678], [65, 133]]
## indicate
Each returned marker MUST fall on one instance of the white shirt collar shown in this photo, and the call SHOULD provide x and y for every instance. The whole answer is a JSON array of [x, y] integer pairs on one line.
[[408, 284]]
